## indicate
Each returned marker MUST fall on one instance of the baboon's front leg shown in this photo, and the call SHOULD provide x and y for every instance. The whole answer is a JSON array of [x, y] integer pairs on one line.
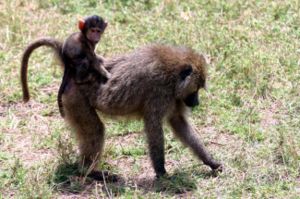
[[186, 134], [155, 138]]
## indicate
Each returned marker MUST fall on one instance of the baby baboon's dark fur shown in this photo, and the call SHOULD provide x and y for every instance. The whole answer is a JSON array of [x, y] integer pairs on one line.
[[156, 82], [76, 55]]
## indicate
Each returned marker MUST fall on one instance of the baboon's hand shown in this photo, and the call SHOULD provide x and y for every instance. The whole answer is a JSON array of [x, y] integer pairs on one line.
[[216, 166], [108, 75]]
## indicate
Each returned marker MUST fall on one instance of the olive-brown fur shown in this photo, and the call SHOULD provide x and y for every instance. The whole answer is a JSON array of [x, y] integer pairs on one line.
[[155, 83]]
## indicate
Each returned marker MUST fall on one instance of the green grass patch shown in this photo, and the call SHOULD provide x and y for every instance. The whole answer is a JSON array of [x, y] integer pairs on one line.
[[249, 117]]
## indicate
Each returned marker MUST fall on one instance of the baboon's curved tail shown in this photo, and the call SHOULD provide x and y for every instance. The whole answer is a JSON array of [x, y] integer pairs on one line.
[[50, 42]]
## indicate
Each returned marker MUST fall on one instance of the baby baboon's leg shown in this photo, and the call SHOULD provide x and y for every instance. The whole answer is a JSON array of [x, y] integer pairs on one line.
[[155, 138], [86, 123], [186, 134]]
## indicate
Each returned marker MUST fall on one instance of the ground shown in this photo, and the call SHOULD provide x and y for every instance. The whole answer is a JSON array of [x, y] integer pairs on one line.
[[248, 119]]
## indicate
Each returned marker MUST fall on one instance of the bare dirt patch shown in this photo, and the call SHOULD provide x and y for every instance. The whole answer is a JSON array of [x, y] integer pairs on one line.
[[268, 116], [20, 142]]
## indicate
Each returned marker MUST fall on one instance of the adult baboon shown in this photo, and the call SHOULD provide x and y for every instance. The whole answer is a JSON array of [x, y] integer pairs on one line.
[[156, 82]]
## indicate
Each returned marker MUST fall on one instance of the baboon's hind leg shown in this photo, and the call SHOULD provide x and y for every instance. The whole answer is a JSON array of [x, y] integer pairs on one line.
[[89, 131], [88, 127]]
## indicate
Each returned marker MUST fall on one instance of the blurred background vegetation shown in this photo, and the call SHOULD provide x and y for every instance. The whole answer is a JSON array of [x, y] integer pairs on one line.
[[249, 118]]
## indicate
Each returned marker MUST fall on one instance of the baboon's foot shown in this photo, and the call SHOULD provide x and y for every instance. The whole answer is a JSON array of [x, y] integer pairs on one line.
[[160, 171]]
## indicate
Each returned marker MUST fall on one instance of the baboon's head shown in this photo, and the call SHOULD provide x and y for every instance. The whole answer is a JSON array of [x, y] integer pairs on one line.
[[192, 78]]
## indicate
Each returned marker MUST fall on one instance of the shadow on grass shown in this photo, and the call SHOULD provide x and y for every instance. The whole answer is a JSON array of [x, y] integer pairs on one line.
[[67, 178], [179, 183]]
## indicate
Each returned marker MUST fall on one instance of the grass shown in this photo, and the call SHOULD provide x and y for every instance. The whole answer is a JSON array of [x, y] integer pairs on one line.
[[249, 119]]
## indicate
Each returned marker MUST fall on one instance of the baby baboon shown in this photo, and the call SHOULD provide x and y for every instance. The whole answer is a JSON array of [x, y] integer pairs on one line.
[[77, 55], [156, 82], [78, 52]]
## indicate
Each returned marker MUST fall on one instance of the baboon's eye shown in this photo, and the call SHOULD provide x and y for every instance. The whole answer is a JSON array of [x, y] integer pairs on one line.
[[186, 72]]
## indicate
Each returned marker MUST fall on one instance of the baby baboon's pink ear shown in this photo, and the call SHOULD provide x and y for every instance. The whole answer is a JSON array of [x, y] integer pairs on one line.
[[81, 24]]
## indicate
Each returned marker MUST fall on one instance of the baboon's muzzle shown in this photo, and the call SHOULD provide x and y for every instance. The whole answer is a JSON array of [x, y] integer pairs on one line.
[[192, 100]]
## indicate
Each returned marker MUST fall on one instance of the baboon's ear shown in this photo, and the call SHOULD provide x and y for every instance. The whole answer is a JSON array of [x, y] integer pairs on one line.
[[81, 24], [186, 71], [105, 24]]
